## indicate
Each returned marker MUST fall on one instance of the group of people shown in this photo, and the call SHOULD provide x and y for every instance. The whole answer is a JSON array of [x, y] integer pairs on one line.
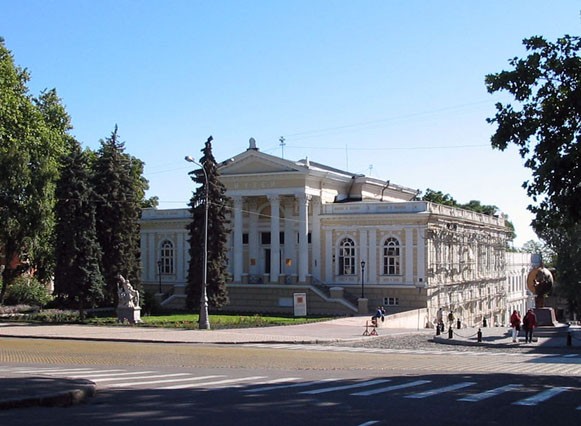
[[529, 322], [379, 314]]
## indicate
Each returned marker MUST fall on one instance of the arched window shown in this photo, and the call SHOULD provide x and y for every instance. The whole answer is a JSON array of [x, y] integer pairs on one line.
[[391, 257], [166, 257], [347, 257]]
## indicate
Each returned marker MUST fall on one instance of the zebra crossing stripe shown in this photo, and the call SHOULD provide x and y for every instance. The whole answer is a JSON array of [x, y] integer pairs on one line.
[[392, 388], [174, 377], [102, 374], [437, 391], [336, 388], [541, 397], [490, 393], [217, 382], [293, 385]]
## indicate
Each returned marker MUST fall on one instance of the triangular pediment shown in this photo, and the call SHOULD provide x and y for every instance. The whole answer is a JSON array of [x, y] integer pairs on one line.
[[255, 162]]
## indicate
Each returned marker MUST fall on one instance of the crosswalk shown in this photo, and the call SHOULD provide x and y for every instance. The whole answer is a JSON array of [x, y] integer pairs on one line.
[[527, 395]]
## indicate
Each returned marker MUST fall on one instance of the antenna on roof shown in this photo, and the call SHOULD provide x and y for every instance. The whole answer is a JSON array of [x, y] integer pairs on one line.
[[282, 144]]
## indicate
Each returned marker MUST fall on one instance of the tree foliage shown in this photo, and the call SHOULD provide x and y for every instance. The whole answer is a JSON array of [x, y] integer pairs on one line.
[[78, 279], [119, 190], [545, 125], [473, 205], [218, 207], [32, 140]]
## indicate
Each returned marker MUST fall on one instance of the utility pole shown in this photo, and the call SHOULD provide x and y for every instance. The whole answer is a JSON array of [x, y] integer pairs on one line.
[[282, 144]]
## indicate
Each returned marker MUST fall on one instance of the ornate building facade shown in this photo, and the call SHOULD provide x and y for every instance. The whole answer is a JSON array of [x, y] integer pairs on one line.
[[348, 242]]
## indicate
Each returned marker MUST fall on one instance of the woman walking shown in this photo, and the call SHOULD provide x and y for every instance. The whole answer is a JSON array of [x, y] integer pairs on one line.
[[515, 324]]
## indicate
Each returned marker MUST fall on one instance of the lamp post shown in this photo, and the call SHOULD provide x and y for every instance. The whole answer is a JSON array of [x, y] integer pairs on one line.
[[159, 274], [204, 322], [363, 279]]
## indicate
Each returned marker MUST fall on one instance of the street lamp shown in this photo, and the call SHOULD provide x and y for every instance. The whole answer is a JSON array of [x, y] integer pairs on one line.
[[204, 322], [363, 279], [159, 274]]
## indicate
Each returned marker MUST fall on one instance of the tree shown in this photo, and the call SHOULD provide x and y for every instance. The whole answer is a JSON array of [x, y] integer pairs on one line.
[[119, 189], [547, 126], [473, 205], [31, 142], [218, 207], [439, 197], [78, 280]]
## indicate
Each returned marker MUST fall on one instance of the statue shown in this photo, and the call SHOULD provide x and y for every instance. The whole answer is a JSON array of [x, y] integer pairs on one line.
[[128, 296], [540, 282]]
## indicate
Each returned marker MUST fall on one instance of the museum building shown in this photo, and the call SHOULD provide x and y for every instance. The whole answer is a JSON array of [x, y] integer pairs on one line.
[[346, 243]]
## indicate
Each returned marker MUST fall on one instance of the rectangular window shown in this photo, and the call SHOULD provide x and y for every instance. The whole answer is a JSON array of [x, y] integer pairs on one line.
[[265, 238], [391, 301], [245, 238]]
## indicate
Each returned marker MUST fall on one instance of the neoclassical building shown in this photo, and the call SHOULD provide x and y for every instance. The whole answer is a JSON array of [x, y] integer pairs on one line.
[[346, 242]]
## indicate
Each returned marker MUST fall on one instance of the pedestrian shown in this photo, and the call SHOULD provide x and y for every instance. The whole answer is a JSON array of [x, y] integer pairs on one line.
[[515, 321], [451, 318], [377, 315], [529, 323], [440, 319]]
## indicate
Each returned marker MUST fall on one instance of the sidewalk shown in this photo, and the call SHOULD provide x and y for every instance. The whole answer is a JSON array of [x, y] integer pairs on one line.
[[27, 391]]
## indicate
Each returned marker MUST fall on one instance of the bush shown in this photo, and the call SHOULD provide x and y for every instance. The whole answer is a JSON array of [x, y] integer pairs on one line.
[[27, 290]]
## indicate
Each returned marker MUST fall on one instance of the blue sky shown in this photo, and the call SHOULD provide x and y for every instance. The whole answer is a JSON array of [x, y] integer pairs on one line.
[[392, 89]]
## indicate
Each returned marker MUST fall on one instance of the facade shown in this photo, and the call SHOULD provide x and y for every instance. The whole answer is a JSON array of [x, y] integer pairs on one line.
[[348, 242]]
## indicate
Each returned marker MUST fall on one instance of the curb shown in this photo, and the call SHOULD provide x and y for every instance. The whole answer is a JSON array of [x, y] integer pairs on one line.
[[75, 395]]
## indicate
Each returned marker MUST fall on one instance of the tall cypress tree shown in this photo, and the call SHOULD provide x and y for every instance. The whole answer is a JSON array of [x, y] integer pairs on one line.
[[119, 189], [78, 280], [218, 207]]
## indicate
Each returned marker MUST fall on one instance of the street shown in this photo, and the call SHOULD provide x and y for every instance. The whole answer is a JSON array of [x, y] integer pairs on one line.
[[296, 385]]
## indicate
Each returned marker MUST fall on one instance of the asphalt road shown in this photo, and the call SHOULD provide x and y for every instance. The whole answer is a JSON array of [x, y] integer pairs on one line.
[[297, 385]]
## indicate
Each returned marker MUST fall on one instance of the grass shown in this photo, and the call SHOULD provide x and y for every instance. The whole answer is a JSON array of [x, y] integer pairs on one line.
[[190, 321], [168, 320]]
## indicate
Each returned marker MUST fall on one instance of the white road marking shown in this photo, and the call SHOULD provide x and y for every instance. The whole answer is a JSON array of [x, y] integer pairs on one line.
[[392, 388], [438, 391]]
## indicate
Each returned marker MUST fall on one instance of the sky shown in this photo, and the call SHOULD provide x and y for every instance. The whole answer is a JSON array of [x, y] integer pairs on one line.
[[391, 89]]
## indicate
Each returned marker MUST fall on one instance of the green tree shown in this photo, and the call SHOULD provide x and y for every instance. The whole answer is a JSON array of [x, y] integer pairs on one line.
[[218, 207], [31, 142], [119, 188], [545, 125], [78, 280], [439, 197]]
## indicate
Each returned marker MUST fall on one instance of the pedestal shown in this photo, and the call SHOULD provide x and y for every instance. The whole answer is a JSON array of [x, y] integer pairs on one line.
[[362, 306], [545, 317], [131, 315]]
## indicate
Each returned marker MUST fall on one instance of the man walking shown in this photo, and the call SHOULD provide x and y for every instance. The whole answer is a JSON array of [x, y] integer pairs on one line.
[[529, 323]]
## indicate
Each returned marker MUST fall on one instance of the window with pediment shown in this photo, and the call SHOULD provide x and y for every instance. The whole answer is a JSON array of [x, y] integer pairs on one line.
[[391, 257], [347, 257], [166, 257]]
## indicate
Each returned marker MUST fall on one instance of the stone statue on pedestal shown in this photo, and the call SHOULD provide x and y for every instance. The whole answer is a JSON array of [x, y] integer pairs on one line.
[[128, 309]]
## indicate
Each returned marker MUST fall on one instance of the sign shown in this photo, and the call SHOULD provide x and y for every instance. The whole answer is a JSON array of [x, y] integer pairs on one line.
[[300, 302]]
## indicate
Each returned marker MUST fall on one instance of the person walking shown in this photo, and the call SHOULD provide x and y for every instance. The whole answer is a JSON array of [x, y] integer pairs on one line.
[[515, 321], [529, 323]]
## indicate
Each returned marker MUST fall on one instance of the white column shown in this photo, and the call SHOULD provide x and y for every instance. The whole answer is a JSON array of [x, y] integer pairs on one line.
[[316, 253], [178, 259], [253, 252], [238, 249], [153, 257], [329, 257], [371, 267], [303, 200], [422, 243], [409, 256], [274, 237]]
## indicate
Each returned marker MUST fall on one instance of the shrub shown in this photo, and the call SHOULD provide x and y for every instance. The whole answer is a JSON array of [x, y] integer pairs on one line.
[[27, 290]]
